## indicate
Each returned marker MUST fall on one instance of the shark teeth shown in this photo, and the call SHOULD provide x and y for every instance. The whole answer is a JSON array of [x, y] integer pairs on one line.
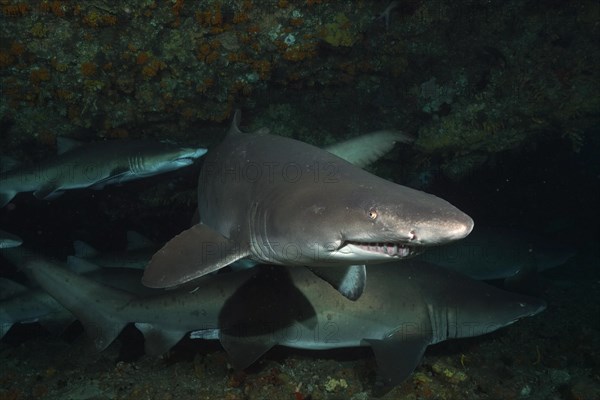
[[389, 248]]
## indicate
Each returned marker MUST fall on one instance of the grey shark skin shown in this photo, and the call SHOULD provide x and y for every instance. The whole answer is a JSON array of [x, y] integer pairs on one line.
[[21, 305], [137, 254], [8, 240], [404, 309], [95, 165], [499, 253], [281, 201]]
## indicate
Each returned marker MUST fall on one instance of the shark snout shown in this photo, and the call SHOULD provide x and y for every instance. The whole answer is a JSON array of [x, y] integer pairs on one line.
[[441, 230]]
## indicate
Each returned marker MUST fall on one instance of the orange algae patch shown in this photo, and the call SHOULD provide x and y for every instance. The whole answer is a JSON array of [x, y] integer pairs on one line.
[[15, 10], [88, 69], [151, 69], [39, 75]]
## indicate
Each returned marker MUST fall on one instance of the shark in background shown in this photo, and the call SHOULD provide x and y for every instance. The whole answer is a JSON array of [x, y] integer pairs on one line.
[[490, 253], [8, 240], [280, 201], [20, 304], [138, 252], [95, 165], [404, 309]]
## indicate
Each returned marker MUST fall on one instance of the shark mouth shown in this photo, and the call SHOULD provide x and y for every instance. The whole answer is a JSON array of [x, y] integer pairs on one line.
[[389, 249]]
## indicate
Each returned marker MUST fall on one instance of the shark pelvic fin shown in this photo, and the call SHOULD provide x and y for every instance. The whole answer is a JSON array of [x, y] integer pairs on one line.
[[158, 341], [243, 351], [49, 191], [193, 253], [349, 281], [397, 356]]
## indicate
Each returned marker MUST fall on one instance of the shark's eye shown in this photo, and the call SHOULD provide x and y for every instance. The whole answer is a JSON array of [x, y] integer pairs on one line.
[[373, 214]]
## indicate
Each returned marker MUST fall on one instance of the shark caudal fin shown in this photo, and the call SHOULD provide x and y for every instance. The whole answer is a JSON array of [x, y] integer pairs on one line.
[[93, 304], [193, 253]]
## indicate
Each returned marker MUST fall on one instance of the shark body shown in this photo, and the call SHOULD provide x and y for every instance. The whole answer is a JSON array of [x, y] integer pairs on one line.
[[281, 201], [403, 310], [95, 166], [20, 304]]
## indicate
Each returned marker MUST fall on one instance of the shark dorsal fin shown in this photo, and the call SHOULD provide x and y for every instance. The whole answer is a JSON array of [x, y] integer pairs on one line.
[[84, 250], [136, 240], [366, 149], [80, 265], [235, 123], [64, 144]]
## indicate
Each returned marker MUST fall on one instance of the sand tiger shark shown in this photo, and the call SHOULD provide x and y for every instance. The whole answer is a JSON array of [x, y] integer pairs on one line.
[[498, 253], [94, 166], [406, 307], [281, 201]]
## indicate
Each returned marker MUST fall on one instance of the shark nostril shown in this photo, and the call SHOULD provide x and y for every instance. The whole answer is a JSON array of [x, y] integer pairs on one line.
[[413, 235]]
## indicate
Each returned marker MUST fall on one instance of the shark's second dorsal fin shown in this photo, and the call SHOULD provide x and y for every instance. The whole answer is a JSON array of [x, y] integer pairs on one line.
[[235, 123], [64, 144], [136, 240]]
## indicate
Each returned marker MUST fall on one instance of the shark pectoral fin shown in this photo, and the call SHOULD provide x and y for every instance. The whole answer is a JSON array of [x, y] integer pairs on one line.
[[158, 341], [397, 357], [243, 351], [349, 281], [49, 191], [115, 177], [193, 253]]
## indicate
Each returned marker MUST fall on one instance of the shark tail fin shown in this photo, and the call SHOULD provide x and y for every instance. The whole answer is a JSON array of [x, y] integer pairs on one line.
[[94, 304]]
